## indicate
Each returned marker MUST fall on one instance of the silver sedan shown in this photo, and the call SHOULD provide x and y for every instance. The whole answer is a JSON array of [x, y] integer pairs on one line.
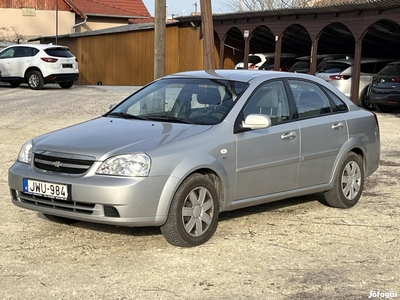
[[190, 145]]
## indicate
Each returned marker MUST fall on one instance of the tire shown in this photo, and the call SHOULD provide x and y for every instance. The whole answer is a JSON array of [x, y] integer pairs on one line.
[[384, 108], [35, 80], [365, 103], [193, 215], [66, 85], [349, 183], [60, 220]]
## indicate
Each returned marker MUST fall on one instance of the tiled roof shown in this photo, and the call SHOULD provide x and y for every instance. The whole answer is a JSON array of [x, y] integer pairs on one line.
[[121, 8]]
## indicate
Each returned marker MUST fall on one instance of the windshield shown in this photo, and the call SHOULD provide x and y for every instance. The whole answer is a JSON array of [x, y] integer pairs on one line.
[[191, 101]]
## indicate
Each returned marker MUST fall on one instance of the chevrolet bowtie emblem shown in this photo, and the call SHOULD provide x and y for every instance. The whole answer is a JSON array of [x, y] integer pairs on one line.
[[57, 164]]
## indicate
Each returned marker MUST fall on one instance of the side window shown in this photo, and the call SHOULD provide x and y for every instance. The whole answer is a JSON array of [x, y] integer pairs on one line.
[[271, 100], [19, 52], [7, 53], [310, 100], [338, 104]]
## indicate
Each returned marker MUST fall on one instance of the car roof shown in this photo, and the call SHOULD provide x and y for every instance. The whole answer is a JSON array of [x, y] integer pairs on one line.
[[350, 61], [308, 57], [38, 46], [238, 75]]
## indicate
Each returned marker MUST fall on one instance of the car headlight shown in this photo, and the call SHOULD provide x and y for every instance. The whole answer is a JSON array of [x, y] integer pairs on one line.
[[25, 154], [126, 165]]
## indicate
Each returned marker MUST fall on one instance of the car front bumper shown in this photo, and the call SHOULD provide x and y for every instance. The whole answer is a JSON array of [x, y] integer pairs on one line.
[[123, 201]]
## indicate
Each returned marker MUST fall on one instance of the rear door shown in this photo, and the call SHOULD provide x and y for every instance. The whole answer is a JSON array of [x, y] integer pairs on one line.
[[323, 131]]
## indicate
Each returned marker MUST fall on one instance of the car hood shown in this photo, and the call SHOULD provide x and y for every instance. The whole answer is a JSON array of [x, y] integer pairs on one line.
[[104, 137]]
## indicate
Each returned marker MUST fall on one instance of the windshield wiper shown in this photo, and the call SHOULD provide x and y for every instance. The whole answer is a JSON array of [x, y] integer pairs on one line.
[[125, 115], [169, 118]]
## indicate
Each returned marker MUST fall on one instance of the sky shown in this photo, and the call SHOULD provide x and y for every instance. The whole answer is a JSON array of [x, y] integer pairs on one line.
[[186, 7]]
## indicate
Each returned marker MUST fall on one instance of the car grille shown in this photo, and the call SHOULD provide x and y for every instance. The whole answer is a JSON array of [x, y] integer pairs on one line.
[[72, 206], [62, 162]]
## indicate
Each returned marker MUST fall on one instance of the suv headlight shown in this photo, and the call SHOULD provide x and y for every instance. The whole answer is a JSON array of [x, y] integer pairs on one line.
[[25, 154], [126, 165]]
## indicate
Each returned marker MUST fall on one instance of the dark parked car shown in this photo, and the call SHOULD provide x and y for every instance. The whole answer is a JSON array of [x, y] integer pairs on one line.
[[384, 91]]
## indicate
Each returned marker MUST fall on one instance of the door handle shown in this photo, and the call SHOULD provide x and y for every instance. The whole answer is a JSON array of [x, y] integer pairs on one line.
[[288, 135], [338, 126]]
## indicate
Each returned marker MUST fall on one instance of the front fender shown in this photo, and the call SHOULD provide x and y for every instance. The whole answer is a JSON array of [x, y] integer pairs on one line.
[[189, 166]]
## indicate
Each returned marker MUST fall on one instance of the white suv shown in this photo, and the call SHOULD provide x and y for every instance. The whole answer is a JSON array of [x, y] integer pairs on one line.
[[38, 64]]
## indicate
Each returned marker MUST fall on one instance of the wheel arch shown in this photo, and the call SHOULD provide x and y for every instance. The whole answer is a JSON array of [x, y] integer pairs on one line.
[[174, 182], [30, 69], [354, 145]]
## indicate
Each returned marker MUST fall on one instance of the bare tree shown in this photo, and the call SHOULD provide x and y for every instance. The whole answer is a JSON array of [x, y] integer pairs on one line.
[[10, 35], [257, 5]]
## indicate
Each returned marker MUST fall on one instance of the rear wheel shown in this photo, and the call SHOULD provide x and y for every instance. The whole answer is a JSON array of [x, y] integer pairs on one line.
[[66, 85], [384, 108], [349, 183], [35, 80], [61, 220], [193, 215]]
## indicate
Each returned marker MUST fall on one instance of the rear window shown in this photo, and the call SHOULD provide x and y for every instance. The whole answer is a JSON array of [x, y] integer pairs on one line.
[[254, 59], [59, 52], [334, 67], [300, 65], [390, 70]]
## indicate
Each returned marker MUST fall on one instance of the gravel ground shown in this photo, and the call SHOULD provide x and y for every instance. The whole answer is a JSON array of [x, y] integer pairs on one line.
[[292, 249]]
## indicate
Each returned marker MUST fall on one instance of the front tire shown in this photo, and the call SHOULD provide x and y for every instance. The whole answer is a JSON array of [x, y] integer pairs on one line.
[[35, 80], [193, 215], [349, 183]]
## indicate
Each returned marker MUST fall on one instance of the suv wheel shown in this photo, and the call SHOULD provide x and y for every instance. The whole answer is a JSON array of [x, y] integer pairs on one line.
[[35, 80], [66, 85]]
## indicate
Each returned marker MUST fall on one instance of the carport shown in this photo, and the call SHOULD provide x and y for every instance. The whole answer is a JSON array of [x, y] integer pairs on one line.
[[361, 29]]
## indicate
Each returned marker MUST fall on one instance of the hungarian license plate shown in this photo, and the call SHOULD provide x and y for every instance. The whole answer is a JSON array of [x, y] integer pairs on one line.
[[45, 189]]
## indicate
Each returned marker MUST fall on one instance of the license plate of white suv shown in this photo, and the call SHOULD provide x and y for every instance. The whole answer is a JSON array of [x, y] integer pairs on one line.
[[67, 65], [45, 189]]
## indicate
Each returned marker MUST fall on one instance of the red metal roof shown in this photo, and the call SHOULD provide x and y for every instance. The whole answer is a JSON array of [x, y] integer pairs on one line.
[[123, 8]]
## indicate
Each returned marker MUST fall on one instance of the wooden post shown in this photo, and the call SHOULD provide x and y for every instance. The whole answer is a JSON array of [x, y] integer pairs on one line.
[[208, 35], [159, 38]]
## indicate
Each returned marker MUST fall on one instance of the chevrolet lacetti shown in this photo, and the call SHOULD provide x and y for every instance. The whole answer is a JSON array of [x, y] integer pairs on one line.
[[190, 145]]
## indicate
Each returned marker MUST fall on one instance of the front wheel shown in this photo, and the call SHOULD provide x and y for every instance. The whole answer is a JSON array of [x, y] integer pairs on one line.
[[193, 215], [349, 183], [66, 85], [35, 80]]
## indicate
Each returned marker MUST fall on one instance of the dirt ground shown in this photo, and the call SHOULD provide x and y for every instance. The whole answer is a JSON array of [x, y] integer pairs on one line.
[[293, 249]]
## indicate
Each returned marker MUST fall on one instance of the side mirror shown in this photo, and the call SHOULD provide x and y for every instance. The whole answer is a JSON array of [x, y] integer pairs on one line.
[[256, 121]]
